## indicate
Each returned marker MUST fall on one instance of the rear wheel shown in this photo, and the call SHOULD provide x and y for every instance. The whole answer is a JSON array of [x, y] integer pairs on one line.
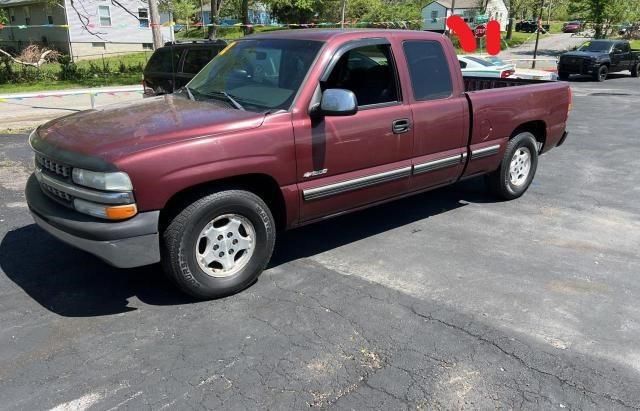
[[517, 169], [219, 244], [601, 74], [635, 70]]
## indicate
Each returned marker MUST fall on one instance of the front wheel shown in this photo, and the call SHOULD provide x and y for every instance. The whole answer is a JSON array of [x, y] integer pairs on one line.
[[601, 74], [219, 244], [518, 166], [635, 70], [563, 76]]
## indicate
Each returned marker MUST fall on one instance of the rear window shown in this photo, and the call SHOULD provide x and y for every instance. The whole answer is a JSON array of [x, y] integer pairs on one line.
[[164, 60], [480, 61], [429, 70], [196, 59]]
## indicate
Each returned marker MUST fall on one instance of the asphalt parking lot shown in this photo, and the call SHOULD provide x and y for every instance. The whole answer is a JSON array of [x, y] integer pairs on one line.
[[444, 300]]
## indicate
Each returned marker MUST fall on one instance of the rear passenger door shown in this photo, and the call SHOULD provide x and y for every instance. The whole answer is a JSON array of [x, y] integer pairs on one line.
[[159, 72], [440, 118]]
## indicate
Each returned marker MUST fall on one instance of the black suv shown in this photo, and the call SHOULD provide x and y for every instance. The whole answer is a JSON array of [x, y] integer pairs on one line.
[[598, 58], [174, 65]]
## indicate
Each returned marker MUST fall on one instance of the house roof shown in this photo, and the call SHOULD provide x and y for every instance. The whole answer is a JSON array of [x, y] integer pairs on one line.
[[461, 4], [12, 3]]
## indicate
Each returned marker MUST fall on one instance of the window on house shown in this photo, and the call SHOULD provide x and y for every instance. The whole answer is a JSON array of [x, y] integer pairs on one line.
[[49, 14], [104, 13], [434, 16], [98, 45], [369, 73], [143, 17], [147, 46], [12, 15], [27, 15]]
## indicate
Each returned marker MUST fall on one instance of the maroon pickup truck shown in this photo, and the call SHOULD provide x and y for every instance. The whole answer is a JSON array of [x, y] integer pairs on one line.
[[281, 130]]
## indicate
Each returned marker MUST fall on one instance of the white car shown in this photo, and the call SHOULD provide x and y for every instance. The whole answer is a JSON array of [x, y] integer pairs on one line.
[[477, 66], [521, 73]]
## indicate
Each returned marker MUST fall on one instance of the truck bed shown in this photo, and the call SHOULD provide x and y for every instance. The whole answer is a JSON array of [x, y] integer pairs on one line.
[[483, 83]]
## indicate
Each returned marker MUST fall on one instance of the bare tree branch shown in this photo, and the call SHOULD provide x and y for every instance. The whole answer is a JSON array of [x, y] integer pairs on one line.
[[40, 62]]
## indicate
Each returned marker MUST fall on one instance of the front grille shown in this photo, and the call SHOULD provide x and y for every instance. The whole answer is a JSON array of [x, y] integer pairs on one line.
[[53, 166], [56, 194]]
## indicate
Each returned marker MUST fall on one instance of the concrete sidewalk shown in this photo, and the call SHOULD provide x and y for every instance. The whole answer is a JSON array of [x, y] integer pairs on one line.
[[20, 111]]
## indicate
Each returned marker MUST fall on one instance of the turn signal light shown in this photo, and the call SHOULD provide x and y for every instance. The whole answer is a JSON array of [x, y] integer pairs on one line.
[[121, 212], [118, 212]]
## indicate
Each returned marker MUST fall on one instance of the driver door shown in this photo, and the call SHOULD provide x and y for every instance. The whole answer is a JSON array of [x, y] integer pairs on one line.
[[348, 162]]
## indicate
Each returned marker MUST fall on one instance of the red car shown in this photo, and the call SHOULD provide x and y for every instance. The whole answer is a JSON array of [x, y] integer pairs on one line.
[[572, 27], [282, 129]]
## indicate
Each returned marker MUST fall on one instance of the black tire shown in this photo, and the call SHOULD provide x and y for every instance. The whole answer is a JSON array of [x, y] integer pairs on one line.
[[635, 70], [181, 237], [601, 74], [500, 182], [563, 76]]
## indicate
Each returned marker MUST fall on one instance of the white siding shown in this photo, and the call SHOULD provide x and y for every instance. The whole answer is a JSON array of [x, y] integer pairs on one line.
[[125, 26], [55, 37], [428, 14], [497, 10]]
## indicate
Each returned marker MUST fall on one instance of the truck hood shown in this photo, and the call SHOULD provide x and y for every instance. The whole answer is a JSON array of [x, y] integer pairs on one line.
[[586, 54], [117, 130]]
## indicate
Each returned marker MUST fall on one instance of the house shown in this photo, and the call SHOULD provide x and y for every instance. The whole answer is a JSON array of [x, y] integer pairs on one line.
[[434, 14], [259, 13], [80, 28]]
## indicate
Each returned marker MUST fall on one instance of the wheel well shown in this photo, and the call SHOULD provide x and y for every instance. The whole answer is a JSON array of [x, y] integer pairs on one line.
[[537, 128], [262, 185]]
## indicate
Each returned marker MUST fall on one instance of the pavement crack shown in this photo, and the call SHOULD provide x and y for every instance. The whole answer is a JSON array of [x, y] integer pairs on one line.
[[562, 381]]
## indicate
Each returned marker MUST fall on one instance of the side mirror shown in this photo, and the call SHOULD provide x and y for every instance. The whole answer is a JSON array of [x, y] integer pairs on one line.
[[338, 102]]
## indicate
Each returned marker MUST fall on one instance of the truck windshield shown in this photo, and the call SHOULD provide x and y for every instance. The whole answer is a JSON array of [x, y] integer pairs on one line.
[[257, 75], [596, 46]]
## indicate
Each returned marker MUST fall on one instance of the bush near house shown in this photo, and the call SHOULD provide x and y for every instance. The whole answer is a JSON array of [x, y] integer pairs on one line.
[[114, 70]]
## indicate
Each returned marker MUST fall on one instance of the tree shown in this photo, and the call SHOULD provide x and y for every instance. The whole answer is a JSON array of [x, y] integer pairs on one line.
[[516, 8], [4, 16], [216, 5], [182, 10], [605, 14]]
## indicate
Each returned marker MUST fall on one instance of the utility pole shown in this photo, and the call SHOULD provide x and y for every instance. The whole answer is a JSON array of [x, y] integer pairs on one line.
[[453, 10], [344, 7], [535, 49], [154, 16]]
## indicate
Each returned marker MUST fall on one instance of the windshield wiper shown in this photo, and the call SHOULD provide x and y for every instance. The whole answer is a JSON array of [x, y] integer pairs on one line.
[[232, 100], [189, 93]]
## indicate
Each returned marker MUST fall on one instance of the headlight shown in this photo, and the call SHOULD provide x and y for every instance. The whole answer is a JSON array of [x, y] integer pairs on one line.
[[117, 181]]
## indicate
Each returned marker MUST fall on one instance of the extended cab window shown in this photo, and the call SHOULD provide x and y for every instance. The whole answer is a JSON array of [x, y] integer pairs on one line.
[[429, 70], [259, 74], [368, 72]]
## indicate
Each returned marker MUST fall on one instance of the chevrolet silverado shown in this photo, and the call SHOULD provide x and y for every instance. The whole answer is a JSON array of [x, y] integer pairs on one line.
[[280, 130]]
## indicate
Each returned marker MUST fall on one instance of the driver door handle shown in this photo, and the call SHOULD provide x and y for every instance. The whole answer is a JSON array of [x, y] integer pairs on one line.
[[401, 126]]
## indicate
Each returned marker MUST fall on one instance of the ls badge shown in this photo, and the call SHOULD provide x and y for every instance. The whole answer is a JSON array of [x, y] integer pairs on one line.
[[314, 173]]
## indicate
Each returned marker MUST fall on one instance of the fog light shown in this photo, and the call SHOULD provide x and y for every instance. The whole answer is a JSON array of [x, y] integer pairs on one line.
[[120, 212]]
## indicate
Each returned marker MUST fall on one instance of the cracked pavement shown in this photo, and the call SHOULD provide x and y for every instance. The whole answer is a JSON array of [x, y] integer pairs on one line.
[[446, 300]]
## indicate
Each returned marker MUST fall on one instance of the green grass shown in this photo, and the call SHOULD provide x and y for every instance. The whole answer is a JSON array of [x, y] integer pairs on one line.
[[50, 70], [47, 85], [635, 44], [518, 39], [227, 33]]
